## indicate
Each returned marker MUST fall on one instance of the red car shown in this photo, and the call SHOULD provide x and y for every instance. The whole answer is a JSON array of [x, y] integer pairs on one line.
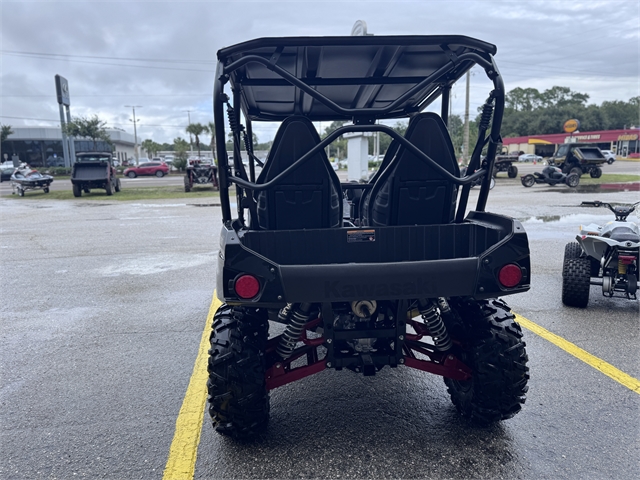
[[159, 169]]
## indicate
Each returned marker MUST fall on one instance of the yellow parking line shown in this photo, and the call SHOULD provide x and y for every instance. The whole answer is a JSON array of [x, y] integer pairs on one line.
[[184, 447], [597, 363], [181, 463]]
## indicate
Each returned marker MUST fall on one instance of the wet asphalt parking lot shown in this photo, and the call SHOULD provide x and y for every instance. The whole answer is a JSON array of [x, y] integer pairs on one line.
[[104, 304]]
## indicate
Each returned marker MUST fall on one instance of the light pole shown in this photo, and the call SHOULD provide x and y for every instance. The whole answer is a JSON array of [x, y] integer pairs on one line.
[[190, 137], [135, 131]]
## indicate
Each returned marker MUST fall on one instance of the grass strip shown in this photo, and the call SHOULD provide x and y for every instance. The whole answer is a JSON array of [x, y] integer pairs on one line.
[[129, 194]]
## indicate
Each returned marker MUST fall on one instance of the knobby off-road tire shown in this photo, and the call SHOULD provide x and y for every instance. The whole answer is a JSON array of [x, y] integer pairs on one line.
[[118, 185], [512, 171], [109, 187], [490, 343], [77, 191], [574, 250], [238, 397], [576, 281], [596, 172]]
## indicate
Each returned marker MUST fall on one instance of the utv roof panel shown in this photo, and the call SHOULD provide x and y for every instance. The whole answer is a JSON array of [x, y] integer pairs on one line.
[[360, 75]]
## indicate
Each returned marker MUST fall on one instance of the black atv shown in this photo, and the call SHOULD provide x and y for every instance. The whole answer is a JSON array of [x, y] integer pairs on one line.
[[362, 276]]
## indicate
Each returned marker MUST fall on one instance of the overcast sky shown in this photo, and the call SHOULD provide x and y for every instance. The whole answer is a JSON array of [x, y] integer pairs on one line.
[[161, 55]]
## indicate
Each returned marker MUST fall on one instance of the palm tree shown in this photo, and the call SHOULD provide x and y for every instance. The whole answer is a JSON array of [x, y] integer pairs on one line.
[[211, 128], [197, 129], [149, 146], [7, 131]]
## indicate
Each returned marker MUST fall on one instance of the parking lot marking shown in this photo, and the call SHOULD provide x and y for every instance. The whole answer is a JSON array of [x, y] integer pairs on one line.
[[184, 447], [181, 463], [597, 363]]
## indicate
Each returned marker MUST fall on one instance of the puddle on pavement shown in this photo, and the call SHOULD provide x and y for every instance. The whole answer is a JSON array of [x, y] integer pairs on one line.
[[575, 218], [606, 188]]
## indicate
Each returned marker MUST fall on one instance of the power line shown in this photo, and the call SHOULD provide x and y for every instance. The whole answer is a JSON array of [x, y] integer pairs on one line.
[[126, 59], [116, 64], [58, 121], [116, 95]]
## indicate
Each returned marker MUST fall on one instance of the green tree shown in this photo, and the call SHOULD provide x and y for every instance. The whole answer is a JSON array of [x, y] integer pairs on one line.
[[6, 131], [337, 148], [92, 128], [523, 99], [151, 147], [211, 129], [180, 147], [197, 129], [618, 114], [385, 140], [561, 96]]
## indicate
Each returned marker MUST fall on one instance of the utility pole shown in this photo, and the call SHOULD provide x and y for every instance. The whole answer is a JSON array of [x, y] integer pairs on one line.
[[190, 137], [135, 131], [466, 121]]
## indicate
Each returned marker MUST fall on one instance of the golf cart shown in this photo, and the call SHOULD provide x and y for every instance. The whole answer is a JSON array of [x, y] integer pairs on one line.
[[394, 272]]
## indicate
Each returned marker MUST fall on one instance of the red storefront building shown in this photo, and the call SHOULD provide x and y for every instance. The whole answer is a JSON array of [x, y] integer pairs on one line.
[[623, 142]]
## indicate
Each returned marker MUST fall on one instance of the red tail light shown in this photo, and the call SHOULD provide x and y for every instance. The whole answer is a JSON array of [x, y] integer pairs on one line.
[[247, 286], [626, 259], [510, 275]]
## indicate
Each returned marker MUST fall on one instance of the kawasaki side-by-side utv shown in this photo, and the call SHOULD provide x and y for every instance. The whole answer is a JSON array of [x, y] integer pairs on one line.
[[393, 272]]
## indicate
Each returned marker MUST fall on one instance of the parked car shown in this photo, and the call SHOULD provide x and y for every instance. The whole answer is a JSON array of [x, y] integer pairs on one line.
[[55, 161], [529, 157], [6, 172], [609, 155], [159, 169]]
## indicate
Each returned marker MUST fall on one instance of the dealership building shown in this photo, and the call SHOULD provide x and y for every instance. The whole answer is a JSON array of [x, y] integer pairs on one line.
[[623, 142], [42, 146]]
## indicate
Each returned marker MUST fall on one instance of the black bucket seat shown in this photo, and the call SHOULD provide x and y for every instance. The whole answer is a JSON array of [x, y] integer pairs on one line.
[[308, 197], [409, 191]]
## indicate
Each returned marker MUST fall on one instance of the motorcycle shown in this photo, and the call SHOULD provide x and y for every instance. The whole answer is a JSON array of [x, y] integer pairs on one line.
[[551, 176], [604, 255]]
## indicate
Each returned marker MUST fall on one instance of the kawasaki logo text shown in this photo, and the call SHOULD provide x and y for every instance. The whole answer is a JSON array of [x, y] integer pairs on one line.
[[337, 289]]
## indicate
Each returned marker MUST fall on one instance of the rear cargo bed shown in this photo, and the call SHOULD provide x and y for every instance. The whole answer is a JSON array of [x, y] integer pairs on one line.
[[345, 264]]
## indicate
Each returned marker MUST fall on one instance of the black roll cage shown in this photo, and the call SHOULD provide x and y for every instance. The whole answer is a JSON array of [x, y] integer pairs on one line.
[[364, 121]]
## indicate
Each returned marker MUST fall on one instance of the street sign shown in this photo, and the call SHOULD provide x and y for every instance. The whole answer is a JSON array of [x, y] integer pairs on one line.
[[62, 90], [571, 126]]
